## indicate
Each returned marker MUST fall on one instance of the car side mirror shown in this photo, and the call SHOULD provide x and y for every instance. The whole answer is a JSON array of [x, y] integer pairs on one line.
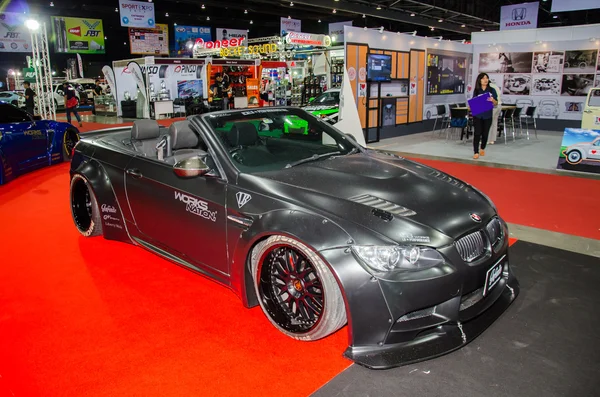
[[191, 167]]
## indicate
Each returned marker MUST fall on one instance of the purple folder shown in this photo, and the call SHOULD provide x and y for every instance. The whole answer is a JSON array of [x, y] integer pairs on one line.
[[480, 104]]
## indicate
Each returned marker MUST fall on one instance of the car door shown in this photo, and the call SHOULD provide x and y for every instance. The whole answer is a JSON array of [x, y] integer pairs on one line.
[[186, 217], [591, 112], [25, 141]]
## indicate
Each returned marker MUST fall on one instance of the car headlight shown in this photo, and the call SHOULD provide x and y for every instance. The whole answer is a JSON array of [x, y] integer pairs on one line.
[[388, 258]]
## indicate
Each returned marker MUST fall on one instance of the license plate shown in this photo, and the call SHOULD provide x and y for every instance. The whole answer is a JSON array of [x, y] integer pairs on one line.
[[492, 277]]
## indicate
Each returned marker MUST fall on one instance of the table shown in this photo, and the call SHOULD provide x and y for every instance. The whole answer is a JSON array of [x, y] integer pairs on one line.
[[162, 107]]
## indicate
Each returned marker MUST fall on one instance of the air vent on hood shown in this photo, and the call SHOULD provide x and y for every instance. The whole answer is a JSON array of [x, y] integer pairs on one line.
[[376, 202], [449, 179]]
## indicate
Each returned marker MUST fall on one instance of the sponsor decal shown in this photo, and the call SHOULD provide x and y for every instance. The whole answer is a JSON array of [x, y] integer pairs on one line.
[[109, 209], [409, 237], [92, 31], [200, 43], [252, 50], [308, 39], [261, 111], [242, 198], [109, 217], [196, 206], [76, 31], [476, 218]]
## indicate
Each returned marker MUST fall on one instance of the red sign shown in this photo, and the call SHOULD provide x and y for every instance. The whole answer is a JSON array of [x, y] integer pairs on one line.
[[76, 31], [253, 93], [200, 43], [308, 39]]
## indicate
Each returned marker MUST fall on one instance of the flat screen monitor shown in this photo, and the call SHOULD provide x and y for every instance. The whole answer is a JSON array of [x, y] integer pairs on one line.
[[379, 67]]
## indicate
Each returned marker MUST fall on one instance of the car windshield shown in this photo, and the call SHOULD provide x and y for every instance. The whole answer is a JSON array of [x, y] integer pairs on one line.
[[273, 139], [331, 97]]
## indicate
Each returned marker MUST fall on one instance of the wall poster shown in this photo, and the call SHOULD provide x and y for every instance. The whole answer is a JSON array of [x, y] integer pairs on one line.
[[548, 61], [150, 41], [78, 35], [446, 74], [505, 62]]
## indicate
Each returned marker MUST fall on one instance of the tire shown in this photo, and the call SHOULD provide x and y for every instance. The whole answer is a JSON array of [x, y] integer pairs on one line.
[[84, 207], [428, 114], [310, 281], [70, 139], [574, 157]]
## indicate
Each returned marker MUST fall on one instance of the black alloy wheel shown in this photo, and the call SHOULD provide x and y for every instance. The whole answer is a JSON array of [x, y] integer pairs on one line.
[[69, 141], [81, 206], [290, 289]]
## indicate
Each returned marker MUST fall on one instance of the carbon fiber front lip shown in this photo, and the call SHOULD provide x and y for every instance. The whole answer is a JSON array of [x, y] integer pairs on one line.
[[441, 340]]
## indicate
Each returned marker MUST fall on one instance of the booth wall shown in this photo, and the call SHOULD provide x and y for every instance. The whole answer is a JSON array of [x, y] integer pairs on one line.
[[125, 81], [409, 101], [552, 69]]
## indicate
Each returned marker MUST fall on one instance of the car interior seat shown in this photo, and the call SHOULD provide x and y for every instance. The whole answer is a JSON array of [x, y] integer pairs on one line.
[[183, 142], [145, 134], [246, 146]]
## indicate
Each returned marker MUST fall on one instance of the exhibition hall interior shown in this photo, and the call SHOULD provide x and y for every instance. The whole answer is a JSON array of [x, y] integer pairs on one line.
[[300, 198]]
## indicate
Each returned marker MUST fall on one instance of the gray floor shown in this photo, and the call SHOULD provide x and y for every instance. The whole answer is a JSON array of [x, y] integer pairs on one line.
[[541, 153], [545, 344]]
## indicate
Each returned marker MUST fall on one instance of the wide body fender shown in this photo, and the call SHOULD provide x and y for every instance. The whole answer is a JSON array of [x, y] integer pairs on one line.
[[114, 223], [314, 230]]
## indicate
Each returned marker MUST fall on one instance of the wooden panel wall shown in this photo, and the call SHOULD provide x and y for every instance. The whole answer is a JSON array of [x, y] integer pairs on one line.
[[403, 65], [356, 57], [421, 85], [412, 101], [401, 111]]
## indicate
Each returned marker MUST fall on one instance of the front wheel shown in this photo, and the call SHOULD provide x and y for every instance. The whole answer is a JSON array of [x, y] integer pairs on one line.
[[70, 139], [296, 290], [574, 157], [84, 207]]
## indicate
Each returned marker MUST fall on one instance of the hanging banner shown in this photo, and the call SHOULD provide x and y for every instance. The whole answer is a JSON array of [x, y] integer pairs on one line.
[[80, 64], [571, 5], [309, 39], [226, 34], [136, 14], [252, 92], [519, 16], [14, 36], [29, 75], [78, 35], [290, 25], [138, 76], [336, 31], [109, 76], [186, 36], [150, 41]]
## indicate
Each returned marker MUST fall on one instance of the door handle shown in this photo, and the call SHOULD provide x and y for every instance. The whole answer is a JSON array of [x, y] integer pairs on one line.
[[134, 172]]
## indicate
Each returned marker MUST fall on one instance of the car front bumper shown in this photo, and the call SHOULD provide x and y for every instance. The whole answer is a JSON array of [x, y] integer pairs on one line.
[[397, 323]]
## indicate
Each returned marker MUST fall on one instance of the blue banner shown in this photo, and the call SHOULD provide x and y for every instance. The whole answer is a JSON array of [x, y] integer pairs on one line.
[[185, 37]]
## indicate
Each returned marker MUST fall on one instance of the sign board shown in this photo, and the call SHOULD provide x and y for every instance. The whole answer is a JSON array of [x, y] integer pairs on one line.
[[78, 35], [519, 16], [336, 31], [317, 40], [580, 150], [14, 36], [574, 5], [186, 36], [290, 25], [150, 41], [29, 75], [260, 49], [227, 34], [137, 14], [253, 92]]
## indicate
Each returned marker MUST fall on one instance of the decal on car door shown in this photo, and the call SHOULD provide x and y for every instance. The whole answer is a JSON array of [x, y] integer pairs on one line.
[[242, 199], [196, 206]]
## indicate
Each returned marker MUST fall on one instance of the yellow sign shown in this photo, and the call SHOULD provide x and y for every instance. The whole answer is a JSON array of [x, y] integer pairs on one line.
[[252, 50]]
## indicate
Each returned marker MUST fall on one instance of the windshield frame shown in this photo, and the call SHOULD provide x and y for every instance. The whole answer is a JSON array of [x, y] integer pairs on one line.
[[223, 152]]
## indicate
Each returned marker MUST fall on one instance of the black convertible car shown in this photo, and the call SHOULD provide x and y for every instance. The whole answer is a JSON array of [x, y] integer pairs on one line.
[[294, 215]]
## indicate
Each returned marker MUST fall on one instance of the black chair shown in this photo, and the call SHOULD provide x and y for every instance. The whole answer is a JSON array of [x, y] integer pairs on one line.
[[458, 120], [507, 119], [529, 119], [441, 113], [516, 119]]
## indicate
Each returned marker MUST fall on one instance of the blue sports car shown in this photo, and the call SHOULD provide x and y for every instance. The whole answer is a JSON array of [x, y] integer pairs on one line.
[[27, 144]]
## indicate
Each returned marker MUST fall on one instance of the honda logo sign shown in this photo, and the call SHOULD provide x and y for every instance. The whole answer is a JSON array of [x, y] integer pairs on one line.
[[519, 16]]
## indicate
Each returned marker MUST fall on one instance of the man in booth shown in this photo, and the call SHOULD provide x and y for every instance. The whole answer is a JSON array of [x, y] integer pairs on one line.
[[220, 91]]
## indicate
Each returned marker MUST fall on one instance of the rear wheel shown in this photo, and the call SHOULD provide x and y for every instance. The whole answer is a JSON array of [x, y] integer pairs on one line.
[[296, 290], [70, 139], [84, 207], [574, 157]]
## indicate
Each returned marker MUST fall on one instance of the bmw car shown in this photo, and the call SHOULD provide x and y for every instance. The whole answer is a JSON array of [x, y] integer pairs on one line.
[[315, 229], [27, 143]]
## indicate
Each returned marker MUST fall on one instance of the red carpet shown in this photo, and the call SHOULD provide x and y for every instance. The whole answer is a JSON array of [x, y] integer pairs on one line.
[[558, 203], [93, 317]]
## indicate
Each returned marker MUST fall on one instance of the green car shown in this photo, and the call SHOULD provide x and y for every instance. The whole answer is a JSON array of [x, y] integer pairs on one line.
[[326, 106]]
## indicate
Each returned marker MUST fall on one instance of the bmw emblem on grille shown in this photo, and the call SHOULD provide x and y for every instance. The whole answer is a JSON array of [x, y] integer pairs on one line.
[[476, 218]]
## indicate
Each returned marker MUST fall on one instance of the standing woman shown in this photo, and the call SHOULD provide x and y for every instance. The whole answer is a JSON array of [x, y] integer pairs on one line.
[[495, 115], [483, 121], [71, 103]]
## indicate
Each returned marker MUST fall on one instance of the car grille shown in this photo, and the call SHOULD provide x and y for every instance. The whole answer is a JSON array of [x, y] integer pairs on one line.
[[494, 231], [375, 202], [471, 247]]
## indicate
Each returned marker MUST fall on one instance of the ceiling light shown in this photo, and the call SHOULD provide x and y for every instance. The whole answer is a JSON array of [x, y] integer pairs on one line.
[[412, 15], [291, 3], [440, 20], [432, 28], [334, 11], [203, 6], [364, 16], [51, 4], [381, 30], [105, 38], [483, 30], [116, 10], [167, 14], [251, 22], [319, 21], [175, 24], [124, 43], [379, 7], [463, 25], [365, 28], [414, 33], [289, 17], [245, 11], [554, 16]]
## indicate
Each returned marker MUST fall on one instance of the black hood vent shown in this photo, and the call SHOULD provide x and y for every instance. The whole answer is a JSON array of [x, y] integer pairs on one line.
[[381, 204]]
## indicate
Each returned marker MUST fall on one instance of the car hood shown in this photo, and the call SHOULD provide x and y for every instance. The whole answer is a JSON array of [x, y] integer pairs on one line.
[[433, 201]]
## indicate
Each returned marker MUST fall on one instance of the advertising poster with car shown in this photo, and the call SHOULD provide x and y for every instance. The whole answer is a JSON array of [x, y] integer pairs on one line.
[[580, 150], [14, 36], [168, 81], [189, 88], [546, 84], [150, 41], [580, 61], [137, 14], [505, 62], [548, 61], [78, 35], [185, 37], [517, 84], [577, 84]]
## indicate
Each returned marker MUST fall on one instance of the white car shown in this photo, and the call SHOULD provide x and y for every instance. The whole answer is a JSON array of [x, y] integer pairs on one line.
[[13, 97], [548, 108], [578, 152]]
